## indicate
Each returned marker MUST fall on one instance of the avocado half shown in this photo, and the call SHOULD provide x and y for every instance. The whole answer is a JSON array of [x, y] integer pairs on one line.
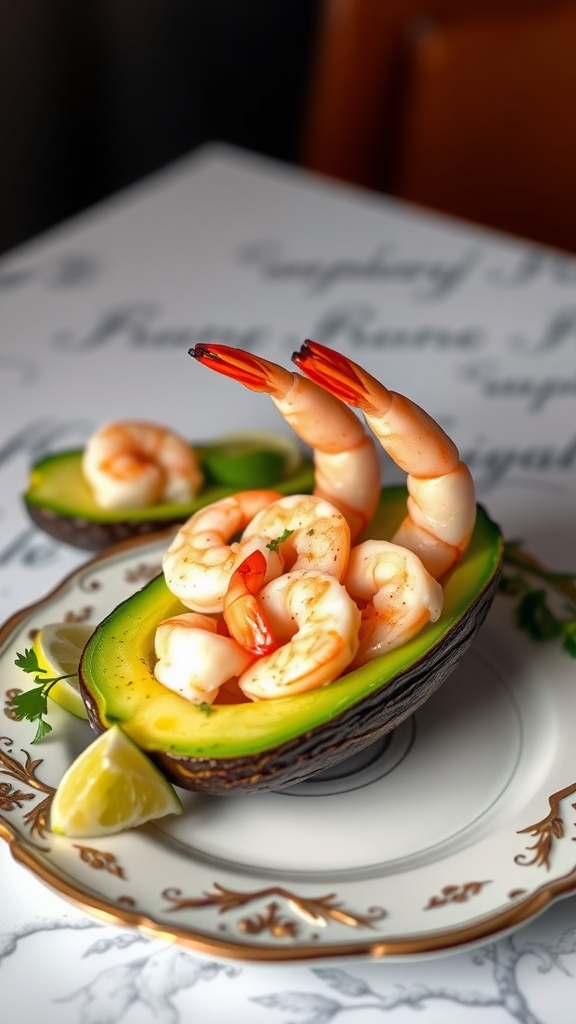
[[265, 745], [60, 502]]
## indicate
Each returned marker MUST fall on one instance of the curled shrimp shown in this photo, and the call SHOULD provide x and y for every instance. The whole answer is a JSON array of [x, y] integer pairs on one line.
[[201, 558], [133, 464], [242, 613], [347, 469], [398, 596], [194, 658], [308, 531], [441, 502], [316, 623]]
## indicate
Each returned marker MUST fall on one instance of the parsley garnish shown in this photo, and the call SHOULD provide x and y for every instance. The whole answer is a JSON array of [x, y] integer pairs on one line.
[[535, 614], [33, 704], [274, 545]]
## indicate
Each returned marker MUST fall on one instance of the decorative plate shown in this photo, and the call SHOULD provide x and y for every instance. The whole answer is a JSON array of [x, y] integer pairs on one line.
[[456, 827]]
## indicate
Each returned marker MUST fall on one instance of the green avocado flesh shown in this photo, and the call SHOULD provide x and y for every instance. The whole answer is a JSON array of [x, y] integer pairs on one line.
[[119, 686], [58, 486]]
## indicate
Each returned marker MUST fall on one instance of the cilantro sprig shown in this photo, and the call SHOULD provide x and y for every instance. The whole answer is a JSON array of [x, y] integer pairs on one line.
[[274, 545], [32, 704], [534, 612]]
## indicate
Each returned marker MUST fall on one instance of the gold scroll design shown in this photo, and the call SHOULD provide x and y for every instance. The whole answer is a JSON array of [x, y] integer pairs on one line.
[[456, 894], [37, 818], [315, 910], [143, 573], [100, 860], [546, 831]]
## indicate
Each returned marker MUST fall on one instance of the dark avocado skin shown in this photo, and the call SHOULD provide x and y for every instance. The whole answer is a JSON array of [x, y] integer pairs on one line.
[[273, 744], [90, 535], [59, 502]]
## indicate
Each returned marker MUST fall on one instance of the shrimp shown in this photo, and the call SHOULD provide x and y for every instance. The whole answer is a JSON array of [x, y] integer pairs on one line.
[[316, 624], [200, 560], [133, 464], [398, 596], [309, 532], [441, 501], [194, 658], [242, 613], [347, 468]]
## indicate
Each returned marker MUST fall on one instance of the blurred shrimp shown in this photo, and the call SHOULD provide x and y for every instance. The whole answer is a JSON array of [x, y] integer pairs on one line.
[[194, 658], [315, 623], [441, 502], [134, 464], [397, 595], [201, 558], [347, 468]]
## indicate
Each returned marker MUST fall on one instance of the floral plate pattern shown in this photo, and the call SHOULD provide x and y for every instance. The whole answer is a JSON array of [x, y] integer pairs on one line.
[[457, 827]]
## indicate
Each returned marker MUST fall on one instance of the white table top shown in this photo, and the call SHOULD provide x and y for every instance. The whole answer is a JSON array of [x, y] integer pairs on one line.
[[95, 322]]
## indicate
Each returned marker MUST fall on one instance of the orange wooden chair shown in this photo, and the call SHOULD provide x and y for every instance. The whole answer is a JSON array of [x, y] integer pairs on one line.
[[465, 108]]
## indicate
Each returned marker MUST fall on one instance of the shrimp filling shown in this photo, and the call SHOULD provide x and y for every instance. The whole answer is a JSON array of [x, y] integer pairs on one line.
[[295, 601]]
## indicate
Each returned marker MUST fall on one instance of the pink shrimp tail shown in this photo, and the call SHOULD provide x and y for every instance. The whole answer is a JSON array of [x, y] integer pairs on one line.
[[336, 373], [254, 372], [242, 613]]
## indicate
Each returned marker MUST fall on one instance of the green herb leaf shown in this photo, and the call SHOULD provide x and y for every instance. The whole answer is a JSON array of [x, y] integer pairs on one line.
[[42, 730], [32, 704], [27, 661], [570, 638], [534, 613], [205, 708], [274, 545], [536, 618]]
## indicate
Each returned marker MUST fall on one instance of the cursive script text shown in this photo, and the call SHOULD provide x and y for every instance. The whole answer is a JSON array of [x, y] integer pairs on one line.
[[536, 392], [136, 325], [494, 465], [356, 325], [429, 278]]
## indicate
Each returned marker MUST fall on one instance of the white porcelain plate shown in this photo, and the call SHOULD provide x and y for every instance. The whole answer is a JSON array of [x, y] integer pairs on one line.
[[457, 827]]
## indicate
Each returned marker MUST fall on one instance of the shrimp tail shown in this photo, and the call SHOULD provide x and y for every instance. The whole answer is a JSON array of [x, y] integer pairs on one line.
[[253, 371], [242, 614], [347, 468], [335, 372], [441, 503]]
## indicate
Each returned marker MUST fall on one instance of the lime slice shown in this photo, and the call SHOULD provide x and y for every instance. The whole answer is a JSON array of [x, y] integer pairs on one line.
[[58, 647], [251, 459], [110, 787]]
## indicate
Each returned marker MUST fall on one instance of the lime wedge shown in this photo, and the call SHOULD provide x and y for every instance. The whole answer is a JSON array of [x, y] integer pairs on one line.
[[251, 459], [58, 647], [112, 786]]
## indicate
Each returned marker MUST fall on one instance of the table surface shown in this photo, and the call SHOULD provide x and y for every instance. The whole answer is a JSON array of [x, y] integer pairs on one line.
[[96, 318]]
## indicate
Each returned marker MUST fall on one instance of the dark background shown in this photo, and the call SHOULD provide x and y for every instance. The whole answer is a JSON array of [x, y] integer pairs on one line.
[[96, 94], [463, 106]]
